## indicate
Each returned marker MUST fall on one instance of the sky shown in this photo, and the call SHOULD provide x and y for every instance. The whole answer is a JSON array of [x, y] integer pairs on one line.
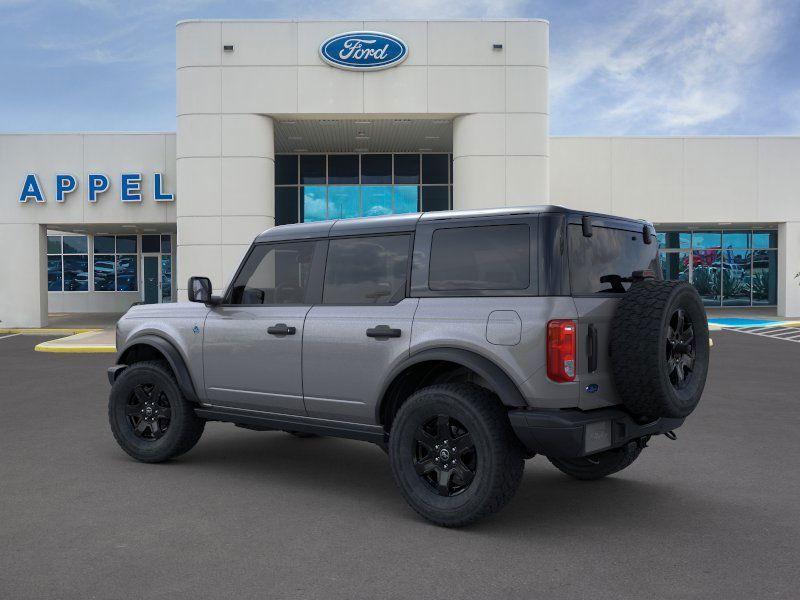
[[617, 67]]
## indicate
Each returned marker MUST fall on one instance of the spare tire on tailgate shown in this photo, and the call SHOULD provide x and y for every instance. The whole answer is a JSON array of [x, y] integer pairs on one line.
[[659, 348]]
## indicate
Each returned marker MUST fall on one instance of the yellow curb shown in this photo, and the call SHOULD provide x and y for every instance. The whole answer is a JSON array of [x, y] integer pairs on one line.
[[105, 349], [46, 331]]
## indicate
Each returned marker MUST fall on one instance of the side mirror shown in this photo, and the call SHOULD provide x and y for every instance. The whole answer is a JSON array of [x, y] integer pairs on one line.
[[200, 289]]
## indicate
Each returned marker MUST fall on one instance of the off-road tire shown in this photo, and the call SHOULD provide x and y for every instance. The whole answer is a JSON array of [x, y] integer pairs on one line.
[[497, 454], [598, 465], [184, 428], [640, 348]]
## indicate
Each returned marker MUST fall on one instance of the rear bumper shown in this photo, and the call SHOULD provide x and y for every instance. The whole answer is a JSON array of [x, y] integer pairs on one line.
[[573, 433]]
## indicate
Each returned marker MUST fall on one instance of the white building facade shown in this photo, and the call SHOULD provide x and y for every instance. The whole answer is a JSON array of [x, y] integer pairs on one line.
[[287, 121]]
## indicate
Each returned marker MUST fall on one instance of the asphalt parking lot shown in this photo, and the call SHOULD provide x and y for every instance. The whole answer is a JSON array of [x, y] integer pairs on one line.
[[715, 514]]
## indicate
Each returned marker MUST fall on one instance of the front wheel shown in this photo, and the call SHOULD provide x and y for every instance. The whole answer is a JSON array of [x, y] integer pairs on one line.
[[149, 417], [597, 466], [454, 455]]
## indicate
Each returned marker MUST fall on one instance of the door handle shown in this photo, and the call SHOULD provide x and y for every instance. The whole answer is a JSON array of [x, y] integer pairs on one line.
[[281, 329], [383, 331]]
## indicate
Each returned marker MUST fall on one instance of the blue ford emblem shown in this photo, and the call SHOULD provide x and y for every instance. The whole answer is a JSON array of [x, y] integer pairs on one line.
[[363, 50]]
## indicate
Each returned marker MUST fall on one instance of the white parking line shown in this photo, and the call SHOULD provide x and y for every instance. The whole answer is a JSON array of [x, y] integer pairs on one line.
[[790, 334], [2, 337]]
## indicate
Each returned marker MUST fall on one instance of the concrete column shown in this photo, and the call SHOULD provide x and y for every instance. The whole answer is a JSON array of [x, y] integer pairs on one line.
[[226, 178], [788, 265], [500, 159], [23, 272]]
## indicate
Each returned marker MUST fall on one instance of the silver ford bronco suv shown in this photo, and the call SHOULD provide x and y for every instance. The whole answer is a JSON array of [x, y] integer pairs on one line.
[[462, 343]]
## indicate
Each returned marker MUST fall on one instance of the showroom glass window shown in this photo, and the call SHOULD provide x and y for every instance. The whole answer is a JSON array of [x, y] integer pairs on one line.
[[115, 263], [729, 267], [318, 187], [67, 263]]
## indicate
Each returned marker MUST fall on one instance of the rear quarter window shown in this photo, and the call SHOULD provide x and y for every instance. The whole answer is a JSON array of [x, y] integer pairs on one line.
[[608, 252], [487, 257]]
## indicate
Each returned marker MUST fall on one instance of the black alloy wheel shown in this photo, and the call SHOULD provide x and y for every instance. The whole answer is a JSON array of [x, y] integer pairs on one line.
[[680, 348], [148, 411], [444, 455]]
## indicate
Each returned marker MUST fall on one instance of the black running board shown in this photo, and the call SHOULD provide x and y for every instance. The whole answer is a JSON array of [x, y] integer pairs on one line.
[[353, 431]]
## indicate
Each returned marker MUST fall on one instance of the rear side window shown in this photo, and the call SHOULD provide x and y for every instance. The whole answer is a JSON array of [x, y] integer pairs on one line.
[[274, 274], [607, 252], [366, 270], [489, 257]]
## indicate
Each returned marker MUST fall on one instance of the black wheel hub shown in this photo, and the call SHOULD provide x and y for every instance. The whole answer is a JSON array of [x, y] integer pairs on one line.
[[444, 455], [148, 411], [680, 349]]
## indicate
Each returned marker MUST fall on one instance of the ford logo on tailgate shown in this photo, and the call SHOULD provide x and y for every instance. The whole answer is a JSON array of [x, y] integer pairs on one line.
[[363, 50]]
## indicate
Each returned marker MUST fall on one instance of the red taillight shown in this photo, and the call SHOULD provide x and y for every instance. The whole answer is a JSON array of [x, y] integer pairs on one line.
[[561, 350]]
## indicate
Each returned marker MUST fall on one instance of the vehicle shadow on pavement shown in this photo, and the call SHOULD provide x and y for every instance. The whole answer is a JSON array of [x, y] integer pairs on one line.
[[341, 472]]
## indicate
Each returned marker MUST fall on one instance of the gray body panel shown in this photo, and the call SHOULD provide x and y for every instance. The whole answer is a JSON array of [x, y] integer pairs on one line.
[[343, 369], [463, 323], [174, 323], [597, 312], [246, 367]]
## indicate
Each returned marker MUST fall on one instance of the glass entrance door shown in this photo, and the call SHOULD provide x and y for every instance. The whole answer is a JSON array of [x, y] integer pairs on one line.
[[152, 280]]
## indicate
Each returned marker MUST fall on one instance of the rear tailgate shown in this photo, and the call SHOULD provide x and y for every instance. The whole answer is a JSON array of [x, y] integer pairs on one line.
[[594, 363]]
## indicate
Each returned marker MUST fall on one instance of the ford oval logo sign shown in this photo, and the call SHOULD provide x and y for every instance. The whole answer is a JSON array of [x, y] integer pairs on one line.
[[363, 50]]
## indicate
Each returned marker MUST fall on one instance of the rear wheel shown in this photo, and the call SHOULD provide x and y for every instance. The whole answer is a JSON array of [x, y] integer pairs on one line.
[[454, 455], [598, 465], [149, 417]]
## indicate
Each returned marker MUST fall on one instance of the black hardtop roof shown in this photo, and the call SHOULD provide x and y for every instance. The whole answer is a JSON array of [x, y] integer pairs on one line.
[[408, 222]]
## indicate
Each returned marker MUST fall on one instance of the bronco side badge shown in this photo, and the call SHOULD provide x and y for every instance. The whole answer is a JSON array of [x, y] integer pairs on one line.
[[592, 388], [196, 329]]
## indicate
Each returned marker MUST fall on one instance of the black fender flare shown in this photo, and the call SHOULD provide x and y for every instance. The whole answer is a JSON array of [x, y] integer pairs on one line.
[[497, 378], [174, 358]]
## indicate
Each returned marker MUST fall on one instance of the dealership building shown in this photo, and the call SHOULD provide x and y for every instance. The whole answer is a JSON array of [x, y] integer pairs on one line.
[[290, 121]]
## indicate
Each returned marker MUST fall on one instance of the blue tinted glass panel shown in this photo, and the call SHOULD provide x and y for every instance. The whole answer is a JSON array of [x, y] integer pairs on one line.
[[312, 168], [736, 277], [104, 244], [314, 203], [343, 168], [707, 239], [434, 168], [166, 244], [54, 274], [343, 202], [103, 272], [376, 200], [406, 168], [434, 197], [765, 277], [76, 273], [376, 168], [75, 244], [126, 274], [285, 205], [406, 198], [150, 243], [736, 239], [706, 275], [675, 265], [765, 239], [126, 244], [166, 278], [54, 244], [674, 239], [286, 169]]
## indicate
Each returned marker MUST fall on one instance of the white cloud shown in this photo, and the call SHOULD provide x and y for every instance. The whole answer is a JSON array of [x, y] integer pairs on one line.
[[669, 69]]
